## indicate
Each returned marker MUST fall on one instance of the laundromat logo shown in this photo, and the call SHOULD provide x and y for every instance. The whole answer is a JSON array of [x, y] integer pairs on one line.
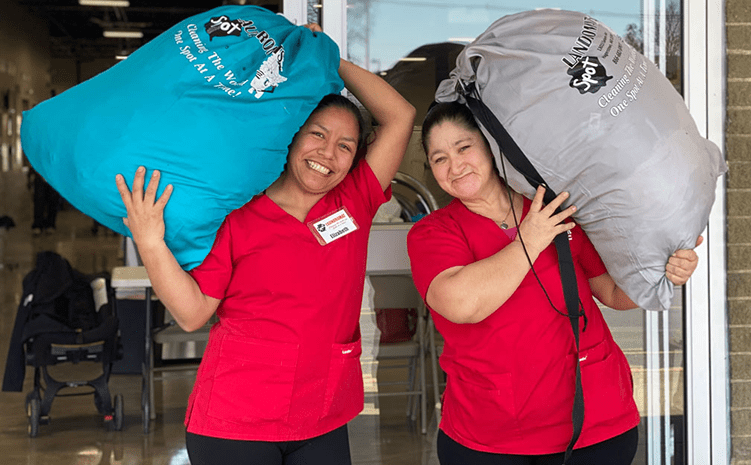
[[588, 75], [269, 75], [222, 26]]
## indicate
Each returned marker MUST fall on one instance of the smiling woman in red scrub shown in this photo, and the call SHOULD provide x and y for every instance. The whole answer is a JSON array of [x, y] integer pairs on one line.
[[509, 351], [280, 377]]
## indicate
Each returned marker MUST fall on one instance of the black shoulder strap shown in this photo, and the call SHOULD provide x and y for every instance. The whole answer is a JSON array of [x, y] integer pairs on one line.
[[521, 163]]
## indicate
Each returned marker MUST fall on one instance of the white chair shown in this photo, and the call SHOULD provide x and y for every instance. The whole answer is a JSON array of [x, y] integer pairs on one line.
[[389, 270], [392, 292]]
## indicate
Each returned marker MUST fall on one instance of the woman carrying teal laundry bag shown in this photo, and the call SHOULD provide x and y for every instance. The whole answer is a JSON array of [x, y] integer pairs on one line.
[[226, 88], [280, 378]]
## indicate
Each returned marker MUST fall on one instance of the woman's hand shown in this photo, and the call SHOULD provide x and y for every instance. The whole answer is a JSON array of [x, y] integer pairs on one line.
[[314, 27], [145, 213], [682, 264], [175, 287], [542, 223]]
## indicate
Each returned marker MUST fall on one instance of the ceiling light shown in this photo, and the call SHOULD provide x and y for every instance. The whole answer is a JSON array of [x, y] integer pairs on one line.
[[119, 34], [461, 39], [413, 59], [113, 3]]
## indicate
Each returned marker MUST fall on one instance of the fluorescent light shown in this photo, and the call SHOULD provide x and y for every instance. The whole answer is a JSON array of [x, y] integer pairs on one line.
[[461, 39], [116, 34], [113, 3], [121, 57], [413, 59]]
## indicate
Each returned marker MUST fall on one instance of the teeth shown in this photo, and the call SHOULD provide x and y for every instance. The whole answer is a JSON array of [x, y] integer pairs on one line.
[[320, 168]]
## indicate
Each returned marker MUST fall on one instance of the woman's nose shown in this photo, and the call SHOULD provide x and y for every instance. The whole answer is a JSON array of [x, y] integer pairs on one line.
[[456, 164], [327, 149]]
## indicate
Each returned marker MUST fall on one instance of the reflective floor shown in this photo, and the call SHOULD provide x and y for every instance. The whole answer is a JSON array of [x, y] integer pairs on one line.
[[77, 434]]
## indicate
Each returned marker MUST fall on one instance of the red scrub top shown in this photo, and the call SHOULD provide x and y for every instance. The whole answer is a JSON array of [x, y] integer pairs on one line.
[[282, 363], [511, 377]]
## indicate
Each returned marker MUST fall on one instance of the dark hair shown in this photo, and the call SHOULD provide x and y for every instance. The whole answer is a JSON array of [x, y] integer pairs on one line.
[[454, 112]]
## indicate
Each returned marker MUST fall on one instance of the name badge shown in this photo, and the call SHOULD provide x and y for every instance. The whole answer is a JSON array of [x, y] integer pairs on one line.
[[333, 226]]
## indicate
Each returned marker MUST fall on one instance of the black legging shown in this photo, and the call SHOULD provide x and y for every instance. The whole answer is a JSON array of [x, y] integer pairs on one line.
[[619, 450], [46, 203], [329, 449]]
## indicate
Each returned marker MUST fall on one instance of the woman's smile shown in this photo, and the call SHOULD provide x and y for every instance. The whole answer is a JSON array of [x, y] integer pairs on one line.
[[318, 167], [461, 177]]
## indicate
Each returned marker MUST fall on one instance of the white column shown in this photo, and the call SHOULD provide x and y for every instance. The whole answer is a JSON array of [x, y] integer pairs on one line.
[[707, 376], [335, 23], [295, 11]]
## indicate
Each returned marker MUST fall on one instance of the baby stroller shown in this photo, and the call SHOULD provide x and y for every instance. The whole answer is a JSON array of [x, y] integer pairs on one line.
[[64, 316]]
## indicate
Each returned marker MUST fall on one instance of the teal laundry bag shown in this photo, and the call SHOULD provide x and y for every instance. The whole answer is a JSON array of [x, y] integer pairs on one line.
[[213, 103]]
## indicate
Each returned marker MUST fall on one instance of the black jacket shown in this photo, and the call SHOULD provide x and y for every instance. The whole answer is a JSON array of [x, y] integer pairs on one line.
[[56, 299]]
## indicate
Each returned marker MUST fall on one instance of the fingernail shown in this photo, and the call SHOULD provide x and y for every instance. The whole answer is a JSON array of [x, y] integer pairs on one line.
[[141, 169], [155, 173]]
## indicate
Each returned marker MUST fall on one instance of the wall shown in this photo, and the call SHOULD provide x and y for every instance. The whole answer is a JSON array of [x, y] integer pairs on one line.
[[25, 64], [738, 150], [24, 82]]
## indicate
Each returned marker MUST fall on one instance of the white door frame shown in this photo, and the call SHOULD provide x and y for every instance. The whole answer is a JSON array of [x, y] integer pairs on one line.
[[707, 373]]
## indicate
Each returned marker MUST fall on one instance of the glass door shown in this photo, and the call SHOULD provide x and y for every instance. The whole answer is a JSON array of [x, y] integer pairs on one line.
[[413, 45]]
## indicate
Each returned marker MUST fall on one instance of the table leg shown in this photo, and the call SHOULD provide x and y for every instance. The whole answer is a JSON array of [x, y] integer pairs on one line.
[[147, 385]]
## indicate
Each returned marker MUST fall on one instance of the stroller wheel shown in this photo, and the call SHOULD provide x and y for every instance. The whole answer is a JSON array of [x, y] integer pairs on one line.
[[33, 411], [31, 395], [118, 420]]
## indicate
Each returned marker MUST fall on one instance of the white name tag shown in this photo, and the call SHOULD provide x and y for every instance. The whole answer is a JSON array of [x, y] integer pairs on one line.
[[333, 226]]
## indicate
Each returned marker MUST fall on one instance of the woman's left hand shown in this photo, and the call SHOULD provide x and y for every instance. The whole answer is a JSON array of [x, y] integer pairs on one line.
[[682, 264], [315, 27]]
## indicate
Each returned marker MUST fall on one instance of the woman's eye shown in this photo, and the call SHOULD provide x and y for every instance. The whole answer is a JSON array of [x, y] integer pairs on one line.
[[463, 148], [345, 147], [318, 134], [438, 160]]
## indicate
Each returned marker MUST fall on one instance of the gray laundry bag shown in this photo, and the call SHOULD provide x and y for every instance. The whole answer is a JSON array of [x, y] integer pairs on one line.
[[596, 119]]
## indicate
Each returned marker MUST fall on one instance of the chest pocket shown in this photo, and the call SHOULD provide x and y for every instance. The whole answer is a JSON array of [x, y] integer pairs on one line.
[[253, 380]]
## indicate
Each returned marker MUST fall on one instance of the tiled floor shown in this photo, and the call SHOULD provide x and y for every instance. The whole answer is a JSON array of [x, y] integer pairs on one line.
[[76, 434]]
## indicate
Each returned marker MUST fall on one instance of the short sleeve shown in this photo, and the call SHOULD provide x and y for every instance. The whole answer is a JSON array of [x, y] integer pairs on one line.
[[434, 245], [214, 273], [364, 181], [588, 257]]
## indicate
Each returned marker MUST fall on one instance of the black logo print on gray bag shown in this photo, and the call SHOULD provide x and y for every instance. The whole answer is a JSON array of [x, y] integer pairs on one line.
[[589, 75], [222, 26]]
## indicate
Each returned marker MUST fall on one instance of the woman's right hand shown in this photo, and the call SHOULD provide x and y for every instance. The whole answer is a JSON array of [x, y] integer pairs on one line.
[[145, 212], [542, 223], [177, 290]]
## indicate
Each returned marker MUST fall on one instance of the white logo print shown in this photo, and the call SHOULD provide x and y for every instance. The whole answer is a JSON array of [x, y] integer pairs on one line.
[[268, 75]]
